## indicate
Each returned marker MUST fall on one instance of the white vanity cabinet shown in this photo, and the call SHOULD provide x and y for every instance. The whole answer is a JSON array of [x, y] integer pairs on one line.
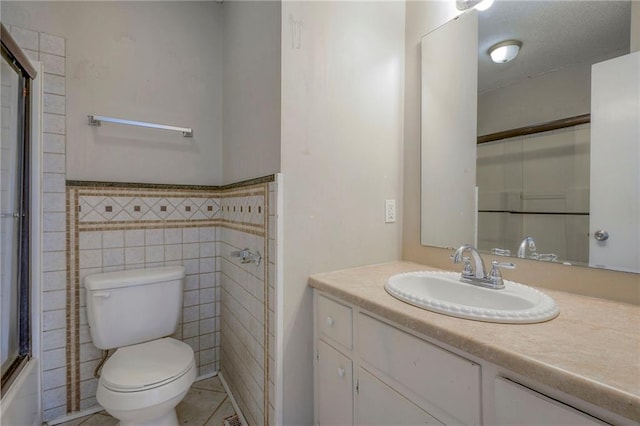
[[368, 372]]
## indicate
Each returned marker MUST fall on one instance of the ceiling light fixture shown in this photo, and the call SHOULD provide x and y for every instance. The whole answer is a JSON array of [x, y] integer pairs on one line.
[[505, 51], [478, 4]]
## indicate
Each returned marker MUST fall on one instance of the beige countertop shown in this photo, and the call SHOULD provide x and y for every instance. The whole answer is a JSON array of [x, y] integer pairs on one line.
[[591, 350]]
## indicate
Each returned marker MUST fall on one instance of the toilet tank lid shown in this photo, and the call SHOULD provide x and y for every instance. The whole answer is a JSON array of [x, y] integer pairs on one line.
[[110, 280]]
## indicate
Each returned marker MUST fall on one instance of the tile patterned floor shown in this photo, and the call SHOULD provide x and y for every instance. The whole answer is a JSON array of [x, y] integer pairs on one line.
[[206, 404]]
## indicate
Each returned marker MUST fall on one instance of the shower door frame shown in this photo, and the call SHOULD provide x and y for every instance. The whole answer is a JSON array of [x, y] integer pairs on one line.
[[17, 60]]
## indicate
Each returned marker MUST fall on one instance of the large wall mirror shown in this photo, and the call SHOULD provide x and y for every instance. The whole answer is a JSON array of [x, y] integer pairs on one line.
[[545, 146]]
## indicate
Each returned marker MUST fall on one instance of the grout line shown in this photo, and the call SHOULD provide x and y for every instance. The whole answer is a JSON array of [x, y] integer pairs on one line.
[[217, 408]]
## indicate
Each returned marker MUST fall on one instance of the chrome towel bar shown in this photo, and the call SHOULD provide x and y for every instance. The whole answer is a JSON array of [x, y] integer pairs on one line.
[[96, 120]]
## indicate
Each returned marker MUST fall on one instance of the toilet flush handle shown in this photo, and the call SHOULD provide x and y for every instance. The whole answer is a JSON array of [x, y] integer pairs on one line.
[[104, 294]]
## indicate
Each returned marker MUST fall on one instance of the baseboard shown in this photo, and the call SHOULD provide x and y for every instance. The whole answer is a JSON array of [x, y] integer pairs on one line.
[[76, 415], [206, 376], [233, 400]]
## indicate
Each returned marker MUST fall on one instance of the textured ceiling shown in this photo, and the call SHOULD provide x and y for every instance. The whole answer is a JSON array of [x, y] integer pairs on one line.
[[555, 35]]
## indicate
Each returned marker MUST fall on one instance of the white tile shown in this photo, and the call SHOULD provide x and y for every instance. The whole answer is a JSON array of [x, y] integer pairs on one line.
[[207, 310], [134, 238], [173, 236], [54, 84], [207, 280], [54, 339], [206, 341], [191, 313], [54, 300], [53, 359], [190, 330], [54, 413], [26, 39], [53, 182], [89, 352], [153, 237], [54, 104], [53, 163], [53, 143], [191, 282], [90, 240], [207, 326], [55, 203], [53, 320], [52, 44], [134, 255], [207, 249], [112, 257], [190, 250], [190, 235], [54, 397], [191, 266], [173, 252], [190, 298], [53, 64], [207, 264], [207, 234], [89, 387], [84, 272], [54, 261], [90, 259], [54, 222], [207, 295], [54, 241], [154, 254], [112, 239], [53, 123], [54, 280], [54, 378]]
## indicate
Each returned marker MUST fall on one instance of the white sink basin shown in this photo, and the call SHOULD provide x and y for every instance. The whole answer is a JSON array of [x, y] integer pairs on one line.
[[444, 293]]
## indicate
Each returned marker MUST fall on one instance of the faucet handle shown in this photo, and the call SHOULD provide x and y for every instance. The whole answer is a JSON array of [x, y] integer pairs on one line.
[[500, 251], [467, 268], [495, 275]]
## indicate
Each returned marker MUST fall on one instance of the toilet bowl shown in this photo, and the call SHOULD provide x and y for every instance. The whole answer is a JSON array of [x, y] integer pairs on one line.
[[149, 373], [142, 384]]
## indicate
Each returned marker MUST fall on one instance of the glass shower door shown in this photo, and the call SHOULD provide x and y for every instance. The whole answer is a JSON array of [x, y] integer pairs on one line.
[[10, 208]]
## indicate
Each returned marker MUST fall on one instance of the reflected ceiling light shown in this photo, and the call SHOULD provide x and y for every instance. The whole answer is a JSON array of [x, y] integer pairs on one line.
[[478, 4], [505, 51]]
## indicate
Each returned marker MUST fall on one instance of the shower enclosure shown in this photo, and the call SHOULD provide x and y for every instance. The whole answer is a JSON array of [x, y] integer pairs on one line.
[[16, 74]]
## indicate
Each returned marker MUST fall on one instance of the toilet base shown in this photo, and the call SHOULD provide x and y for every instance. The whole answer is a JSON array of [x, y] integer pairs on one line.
[[168, 419]]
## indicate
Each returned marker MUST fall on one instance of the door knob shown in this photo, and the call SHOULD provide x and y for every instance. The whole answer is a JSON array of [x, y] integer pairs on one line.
[[601, 235]]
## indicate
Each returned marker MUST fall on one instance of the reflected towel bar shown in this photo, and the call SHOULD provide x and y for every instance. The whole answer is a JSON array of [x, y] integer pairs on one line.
[[95, 120]]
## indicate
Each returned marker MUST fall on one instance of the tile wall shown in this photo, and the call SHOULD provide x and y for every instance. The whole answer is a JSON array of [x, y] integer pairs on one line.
[[248, 300], [50, 51], [115, 228]]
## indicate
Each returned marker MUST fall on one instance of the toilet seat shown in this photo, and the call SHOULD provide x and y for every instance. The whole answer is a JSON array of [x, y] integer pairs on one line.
[[147, 365]]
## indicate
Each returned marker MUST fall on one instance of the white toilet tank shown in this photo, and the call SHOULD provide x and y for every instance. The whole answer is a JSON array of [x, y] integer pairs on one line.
[[129, 307]]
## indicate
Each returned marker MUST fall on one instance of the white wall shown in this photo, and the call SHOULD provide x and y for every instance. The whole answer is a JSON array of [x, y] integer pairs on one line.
[[342, 97], [251, 89], [148, 61]]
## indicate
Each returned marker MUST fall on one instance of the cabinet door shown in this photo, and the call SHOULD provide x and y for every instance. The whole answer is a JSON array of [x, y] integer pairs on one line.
[[378, 404], [518, 405], [334, 387]]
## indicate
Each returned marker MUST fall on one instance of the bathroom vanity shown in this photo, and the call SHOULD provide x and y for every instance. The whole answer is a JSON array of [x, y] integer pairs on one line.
[[381, 361]]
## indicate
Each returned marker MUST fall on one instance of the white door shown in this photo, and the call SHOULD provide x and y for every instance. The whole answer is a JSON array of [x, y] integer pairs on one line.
[[334, 389], [615, 164]]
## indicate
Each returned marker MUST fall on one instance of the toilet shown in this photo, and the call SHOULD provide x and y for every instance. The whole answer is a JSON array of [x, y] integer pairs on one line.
[[149, 373]]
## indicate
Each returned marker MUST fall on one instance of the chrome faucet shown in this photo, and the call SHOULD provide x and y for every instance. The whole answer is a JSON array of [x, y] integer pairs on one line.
[[475, 273], [527, 243]]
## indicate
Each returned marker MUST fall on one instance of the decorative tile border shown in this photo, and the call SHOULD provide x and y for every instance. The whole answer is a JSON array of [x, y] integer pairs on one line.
[[105, 207]]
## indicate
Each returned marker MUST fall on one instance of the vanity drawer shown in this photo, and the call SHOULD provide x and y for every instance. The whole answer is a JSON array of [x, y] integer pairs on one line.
[[334, 321], [443, 384], [516, 404]]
